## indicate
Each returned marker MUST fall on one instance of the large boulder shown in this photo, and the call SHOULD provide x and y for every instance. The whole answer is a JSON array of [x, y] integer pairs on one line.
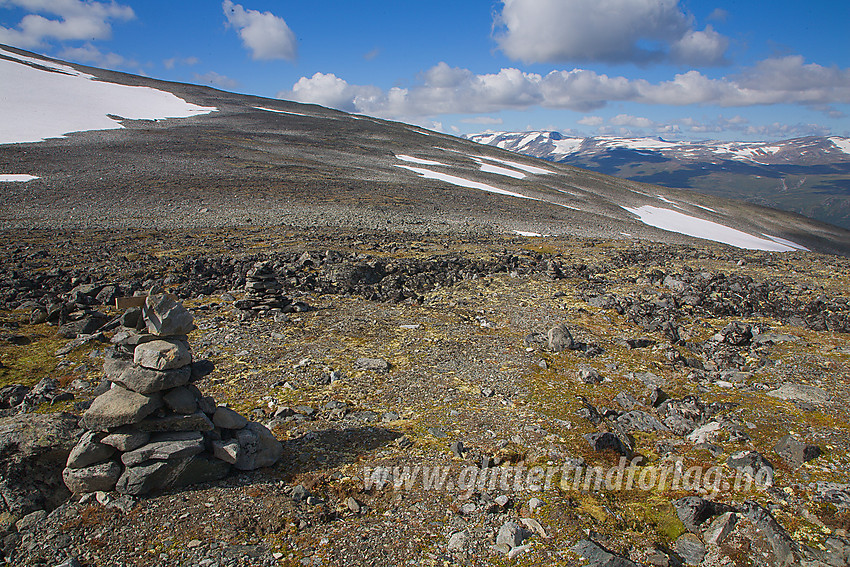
[[33, 452]]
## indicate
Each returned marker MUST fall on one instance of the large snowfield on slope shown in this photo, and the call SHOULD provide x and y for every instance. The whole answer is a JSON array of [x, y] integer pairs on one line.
[[674, 221], [37, 104]]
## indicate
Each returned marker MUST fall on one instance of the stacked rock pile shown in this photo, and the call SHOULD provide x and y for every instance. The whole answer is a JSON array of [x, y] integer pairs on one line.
[[154, 429], [264, 293]]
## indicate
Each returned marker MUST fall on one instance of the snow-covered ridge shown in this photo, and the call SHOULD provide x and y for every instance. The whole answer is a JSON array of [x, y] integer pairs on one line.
[[55, 100], [555, 147]]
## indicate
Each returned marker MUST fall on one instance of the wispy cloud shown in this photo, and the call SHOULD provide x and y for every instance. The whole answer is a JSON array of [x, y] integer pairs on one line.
[[216, 79], [613, 31], [489, 120], [175, 61], [88, 53], [62, 20], [267, 36]]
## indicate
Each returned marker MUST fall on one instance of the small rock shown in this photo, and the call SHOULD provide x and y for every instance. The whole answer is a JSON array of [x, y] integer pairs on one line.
[[690, 549], [31, 520], [300, 493], [720, 528], [457, 541], [373, 364], [181, 400], [126, 438], [352, 504], [559, 338], [794, 452], [512, 535], [167, 317]]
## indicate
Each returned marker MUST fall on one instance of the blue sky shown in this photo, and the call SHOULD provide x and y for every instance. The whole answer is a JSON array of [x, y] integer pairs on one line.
[[680, 69]]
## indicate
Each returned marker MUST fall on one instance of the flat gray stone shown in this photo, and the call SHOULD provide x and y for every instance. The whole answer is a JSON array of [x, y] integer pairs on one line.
[[374, 364], [147, 381], [126, 438], [119, 406], [800, 393], [598, 556], [637, 420], [166, 317], [166, 447], [148, 476], [163, 354], [177, 422], [181, 400], [102, 476], [257, 447], [201, 468], [88, 451], [226, 418], [114, 364]]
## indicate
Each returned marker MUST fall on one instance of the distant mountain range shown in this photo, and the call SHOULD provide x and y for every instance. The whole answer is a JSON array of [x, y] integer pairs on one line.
[[810, 176]]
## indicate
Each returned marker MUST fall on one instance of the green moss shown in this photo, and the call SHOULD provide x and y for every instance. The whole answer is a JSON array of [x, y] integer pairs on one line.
[[27, 364]]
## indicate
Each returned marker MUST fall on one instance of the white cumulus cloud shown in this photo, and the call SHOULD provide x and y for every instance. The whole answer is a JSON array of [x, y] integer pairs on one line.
[[613, 31], [451, 90], [62, 20], [267, 36]]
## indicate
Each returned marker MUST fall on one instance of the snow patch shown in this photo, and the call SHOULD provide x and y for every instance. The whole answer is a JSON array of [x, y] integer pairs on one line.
[[842, 144], [675, 221], [489, 168], [793, 245], [529, 234], [280, 111], [521, 166], [39, 104], [420, 161], [17, 178], [705, 208], [461, 182]]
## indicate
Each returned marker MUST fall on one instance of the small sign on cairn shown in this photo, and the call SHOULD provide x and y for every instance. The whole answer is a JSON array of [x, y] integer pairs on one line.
[[154, 429]]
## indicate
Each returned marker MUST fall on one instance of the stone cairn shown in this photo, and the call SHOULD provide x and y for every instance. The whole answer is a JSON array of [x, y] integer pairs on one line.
[[264, 293], [153, 429]]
